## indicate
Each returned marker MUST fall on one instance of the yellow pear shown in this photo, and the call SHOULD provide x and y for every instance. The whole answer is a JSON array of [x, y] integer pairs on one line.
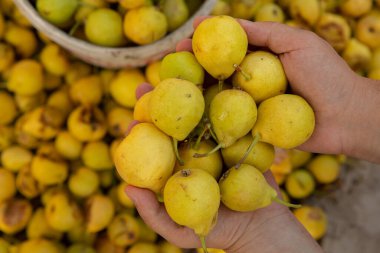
[[261, 75], [261, 155], [145, 158], [368, 29], [245, 189], [325, 168], [192, 199], [305, 11], [298, 157], [232, 114], [357, 55], [314, 220], [300, 184], [335, 29], [209, 45], [213, 163], [270, 12], [141, 111], [355, 8], [285, 121], [176, 107]]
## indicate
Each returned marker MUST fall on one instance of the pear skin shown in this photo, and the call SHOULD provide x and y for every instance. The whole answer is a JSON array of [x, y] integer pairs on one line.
[[232, 114], [212, 163], [285, 121], [192, 199], [141, 111], [209, 45], [182, 65], [176, 107], [145, 158], [355, 8], [307, 12], [368, 29], [266, 76], [261, 156], [245, 189]]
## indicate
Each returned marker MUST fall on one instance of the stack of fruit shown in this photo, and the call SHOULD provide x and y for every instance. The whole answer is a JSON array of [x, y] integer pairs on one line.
[[117, 23]]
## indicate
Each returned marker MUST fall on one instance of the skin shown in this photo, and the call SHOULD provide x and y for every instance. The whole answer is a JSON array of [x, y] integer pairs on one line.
[[343, 103]]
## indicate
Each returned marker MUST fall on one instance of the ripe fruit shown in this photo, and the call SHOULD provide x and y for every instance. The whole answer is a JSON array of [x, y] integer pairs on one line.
[[83, 182], [99, 211], [96, 155], [145, 158], [144, 25], [300, 184], [261, 75], [15, 157], [38, 227], [67, 145], [56, 11], [176, 107], [270, 12], [261, 155], [192, 199], [123, 230], [313, 219], [26, 77], [232, 115], [245, 189], [325, 168], [182, 65], [54, 59], [285, 121], [141, 112], [118, 120], [8, 183], [176, 13], [87, 90], [14, 215], [367, 29], [209, 41], [105, 27]]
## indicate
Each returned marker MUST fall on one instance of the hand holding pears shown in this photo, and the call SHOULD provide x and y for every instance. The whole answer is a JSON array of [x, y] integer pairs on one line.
[[245, 122]]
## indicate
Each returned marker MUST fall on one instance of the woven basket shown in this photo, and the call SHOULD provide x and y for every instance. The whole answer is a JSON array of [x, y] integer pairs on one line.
[[109, 57]]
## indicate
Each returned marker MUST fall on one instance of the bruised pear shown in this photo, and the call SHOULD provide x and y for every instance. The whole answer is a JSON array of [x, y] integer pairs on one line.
[[176, 107], [209, 45], [145, 158], [192, 199], [285, 121], [245, 189]]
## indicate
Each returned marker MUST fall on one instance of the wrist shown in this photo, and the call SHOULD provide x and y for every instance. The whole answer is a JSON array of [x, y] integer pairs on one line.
[[362, 135], [282, 233]]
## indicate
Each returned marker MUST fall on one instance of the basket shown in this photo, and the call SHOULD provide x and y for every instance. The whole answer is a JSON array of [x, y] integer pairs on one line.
[[113, 57]]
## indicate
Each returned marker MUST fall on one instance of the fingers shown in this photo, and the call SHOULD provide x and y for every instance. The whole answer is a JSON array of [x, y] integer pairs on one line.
[[142, 89], [184, 45], [156, 217], [278, 37]]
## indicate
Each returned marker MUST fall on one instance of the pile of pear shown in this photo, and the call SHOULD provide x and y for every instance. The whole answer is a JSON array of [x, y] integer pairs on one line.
[[60, 120], [201, 144], [116, 23]]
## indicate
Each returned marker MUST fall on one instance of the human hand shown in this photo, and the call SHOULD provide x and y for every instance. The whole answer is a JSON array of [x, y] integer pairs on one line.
[[341, 99], [261, 230]]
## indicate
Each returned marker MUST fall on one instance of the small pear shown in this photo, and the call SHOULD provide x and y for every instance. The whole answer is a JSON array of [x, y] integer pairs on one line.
[[176, 107], [305, 11], [209, 45], [211, 92], [141, 112], [145, 158], [300, 184], [192, 199], [262, 76], [314, 219], [176, 12], [213, 163], [261, 155], [245, 189], [232, 114], [334, 29], [285, 121], [357, 54], [325, 168], [355, 8], [270, 12], [367, 29], [182, 65]]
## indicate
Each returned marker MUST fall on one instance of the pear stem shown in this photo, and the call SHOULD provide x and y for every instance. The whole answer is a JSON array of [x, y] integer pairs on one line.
[[255, 140], [219, 146], [246, 76], [75, 28], [280, 201], [175, 147], [198, 141], [220, 85], [203, 242]]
